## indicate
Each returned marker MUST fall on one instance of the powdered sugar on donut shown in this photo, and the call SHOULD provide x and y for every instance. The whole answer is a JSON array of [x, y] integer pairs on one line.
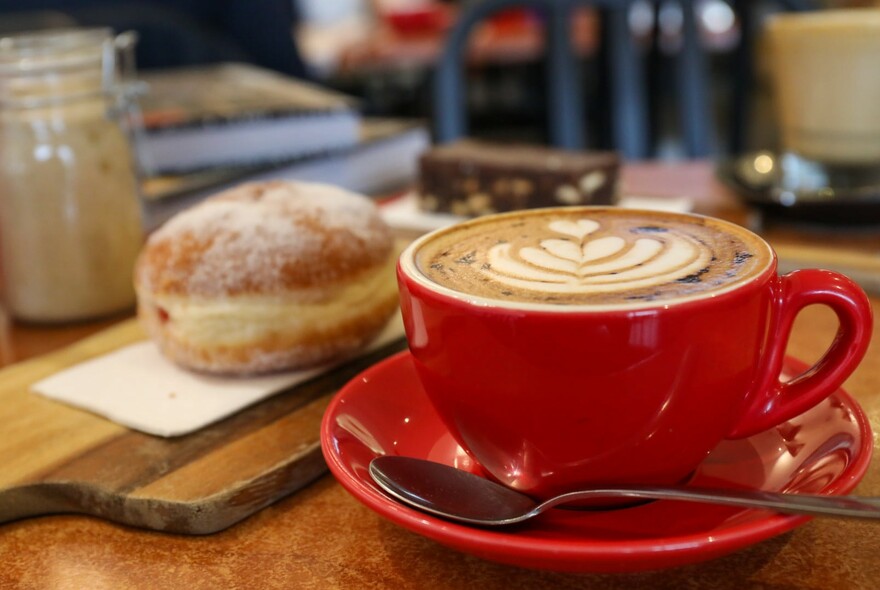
[[266, 238]]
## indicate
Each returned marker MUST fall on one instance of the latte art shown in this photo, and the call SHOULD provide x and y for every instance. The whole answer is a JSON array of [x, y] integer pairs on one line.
[[580, 265], [591, 256]]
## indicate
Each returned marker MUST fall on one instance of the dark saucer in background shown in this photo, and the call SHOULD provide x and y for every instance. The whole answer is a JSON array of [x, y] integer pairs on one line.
[[787, 187]]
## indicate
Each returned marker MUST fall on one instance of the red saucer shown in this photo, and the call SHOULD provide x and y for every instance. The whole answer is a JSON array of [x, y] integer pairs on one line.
[[384, 411]]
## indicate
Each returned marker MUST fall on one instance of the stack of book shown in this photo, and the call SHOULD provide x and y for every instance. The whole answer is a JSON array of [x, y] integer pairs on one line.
[[210, 127]]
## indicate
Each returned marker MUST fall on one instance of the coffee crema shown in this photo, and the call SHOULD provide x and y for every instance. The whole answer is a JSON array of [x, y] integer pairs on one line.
[[591, 256]]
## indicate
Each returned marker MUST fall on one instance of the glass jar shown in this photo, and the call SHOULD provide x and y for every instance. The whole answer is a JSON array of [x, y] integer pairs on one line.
[[70, 215]]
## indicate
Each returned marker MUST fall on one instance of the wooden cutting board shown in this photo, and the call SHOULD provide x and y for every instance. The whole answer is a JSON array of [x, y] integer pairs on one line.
[[55, 458]]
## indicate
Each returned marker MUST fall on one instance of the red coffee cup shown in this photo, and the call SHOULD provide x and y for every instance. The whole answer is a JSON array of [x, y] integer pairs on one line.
[[549, 397]]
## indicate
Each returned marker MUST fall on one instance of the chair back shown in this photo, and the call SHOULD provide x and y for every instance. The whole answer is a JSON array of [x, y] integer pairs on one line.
[[565, 116]]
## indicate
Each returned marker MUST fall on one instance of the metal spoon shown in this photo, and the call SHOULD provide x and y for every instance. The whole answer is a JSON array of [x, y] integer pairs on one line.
[[458, 495]]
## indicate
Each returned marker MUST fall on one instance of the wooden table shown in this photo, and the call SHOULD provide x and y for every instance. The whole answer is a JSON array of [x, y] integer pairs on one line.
[[323, 538]]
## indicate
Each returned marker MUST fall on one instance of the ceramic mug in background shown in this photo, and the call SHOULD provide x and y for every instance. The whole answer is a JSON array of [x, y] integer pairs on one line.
[[571, 346], [824, 68]]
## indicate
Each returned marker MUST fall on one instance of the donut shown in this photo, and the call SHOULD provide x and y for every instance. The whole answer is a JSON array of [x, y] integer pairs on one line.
[[267, 276]]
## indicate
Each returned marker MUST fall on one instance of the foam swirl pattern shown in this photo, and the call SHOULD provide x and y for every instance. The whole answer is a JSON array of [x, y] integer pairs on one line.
[[592, 256], [575, 263]]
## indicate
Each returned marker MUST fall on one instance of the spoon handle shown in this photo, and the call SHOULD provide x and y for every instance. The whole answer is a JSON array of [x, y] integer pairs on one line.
[[813, 505]]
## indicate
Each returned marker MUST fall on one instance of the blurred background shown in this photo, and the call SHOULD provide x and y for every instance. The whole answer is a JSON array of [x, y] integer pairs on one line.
[[384, 51]]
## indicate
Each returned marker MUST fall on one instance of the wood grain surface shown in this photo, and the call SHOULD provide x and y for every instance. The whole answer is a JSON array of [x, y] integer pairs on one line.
[[58, 459]]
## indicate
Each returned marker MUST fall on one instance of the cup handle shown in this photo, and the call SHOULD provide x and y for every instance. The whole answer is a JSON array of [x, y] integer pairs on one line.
[[774, 402]]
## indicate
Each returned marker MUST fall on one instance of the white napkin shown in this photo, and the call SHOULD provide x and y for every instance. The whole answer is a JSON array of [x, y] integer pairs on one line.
[[404, 213], [139, 388]]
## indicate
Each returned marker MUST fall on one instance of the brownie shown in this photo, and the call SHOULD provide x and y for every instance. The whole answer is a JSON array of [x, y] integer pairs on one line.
[[471, 177]]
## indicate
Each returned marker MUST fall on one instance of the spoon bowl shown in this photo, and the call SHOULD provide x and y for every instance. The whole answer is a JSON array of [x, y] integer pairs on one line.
[[457, 495]]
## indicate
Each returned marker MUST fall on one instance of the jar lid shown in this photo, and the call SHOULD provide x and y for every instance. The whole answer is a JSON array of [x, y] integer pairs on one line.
[[56, 66], [55, 49]]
